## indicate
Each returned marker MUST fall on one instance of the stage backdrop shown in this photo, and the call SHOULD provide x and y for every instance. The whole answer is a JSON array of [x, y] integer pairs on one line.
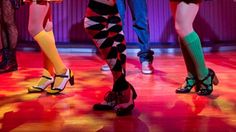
[[215, 22]]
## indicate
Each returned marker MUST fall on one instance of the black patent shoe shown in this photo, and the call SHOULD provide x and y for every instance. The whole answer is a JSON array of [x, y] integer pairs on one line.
[[206, 89], [109, 103], [125, 101], [186, 87]]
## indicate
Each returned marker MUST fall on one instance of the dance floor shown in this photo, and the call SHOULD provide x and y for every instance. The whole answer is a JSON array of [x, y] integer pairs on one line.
[[158, 107]]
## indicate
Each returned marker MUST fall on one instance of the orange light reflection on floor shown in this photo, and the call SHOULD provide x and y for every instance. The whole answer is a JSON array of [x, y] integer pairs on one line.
[[158, 107]]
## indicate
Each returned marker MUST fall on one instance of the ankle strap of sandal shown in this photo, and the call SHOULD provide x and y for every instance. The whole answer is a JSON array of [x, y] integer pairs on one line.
[[210, 74], [48, 78], [207, 76], [190, 78], [62, 76]]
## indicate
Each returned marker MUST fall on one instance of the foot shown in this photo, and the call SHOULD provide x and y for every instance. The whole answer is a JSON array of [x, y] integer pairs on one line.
[[42, 84], [45, 81], [8, 65], [9, 62], [147, 67], [125, 101], [108, 103], [121, 102], [9, 68], [105, 67], [206, 85], [61, 81], [187, 86]]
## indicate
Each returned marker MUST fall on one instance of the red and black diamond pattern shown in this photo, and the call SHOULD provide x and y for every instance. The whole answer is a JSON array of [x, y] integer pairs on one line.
[[103, 24]]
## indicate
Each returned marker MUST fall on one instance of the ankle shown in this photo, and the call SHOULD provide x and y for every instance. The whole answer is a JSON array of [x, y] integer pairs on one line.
[[207, 81], [203, 74], [120, 84], [47, 73], [191, 80], [206, 78], [125, 96], [44, 80], [61, 71]]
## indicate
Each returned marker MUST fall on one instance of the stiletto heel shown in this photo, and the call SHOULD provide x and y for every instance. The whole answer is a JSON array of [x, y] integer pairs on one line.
[[215, 79], [71, 80], [41, 88], [207, 89], [67, 77]]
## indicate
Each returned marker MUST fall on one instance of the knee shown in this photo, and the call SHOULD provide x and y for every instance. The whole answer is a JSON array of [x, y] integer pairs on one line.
[[183, 28], [141, 24], [33, 29], [178, 27]]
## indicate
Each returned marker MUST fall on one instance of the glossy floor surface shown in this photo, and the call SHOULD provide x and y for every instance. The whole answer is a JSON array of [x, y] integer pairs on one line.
[[158, 107]]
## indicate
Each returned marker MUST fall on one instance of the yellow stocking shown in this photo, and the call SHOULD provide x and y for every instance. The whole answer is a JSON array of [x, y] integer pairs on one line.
[[46, 42], [42, 80]]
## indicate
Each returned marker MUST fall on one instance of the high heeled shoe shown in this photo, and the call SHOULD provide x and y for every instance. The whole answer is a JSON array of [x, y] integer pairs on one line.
[[118, 101], [40, 88], [125, 101], [187, 86], [110, 100], [206, 89], [67, 77]]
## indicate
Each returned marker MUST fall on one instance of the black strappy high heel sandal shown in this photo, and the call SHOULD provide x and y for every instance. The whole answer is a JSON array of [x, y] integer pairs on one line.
[[187, 87], [206, 89], [67, 77]]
